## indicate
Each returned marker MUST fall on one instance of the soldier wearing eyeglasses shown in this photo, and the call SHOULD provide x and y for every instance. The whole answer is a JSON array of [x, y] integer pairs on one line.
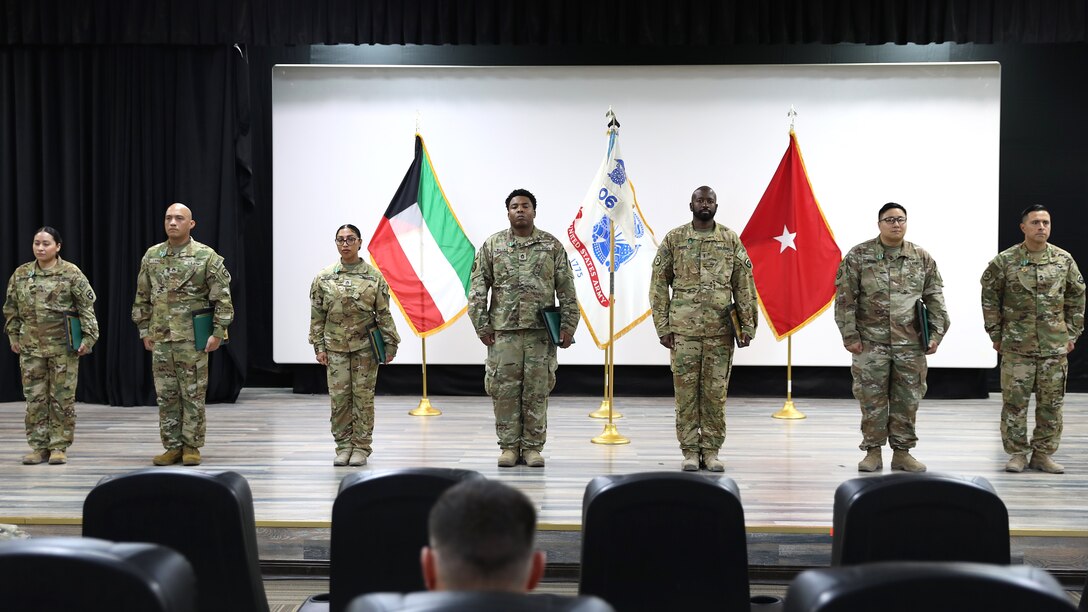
[[349, 300], [878, 285], [1033, 308]]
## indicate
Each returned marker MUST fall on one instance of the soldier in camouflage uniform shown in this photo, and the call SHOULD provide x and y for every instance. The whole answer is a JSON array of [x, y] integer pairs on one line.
[[524, 269], [347, 300], [1033, 307], [40, 296], [177, 277], [708, 270], [877, 286]]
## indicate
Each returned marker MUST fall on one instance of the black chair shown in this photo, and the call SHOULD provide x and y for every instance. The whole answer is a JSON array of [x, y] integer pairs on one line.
[[933, 586], [1084, 597], [919, 517], [91, 574], [664, 541], [464, 601], [206, 516], [379, 525]]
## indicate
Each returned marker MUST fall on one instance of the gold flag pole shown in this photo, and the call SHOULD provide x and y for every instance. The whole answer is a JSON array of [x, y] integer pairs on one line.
[[606, 403], [424, 408], [788, 411], [611, 435]]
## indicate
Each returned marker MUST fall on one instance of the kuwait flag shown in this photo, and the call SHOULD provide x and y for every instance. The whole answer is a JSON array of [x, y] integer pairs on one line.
[[422, 251], [793, 252]]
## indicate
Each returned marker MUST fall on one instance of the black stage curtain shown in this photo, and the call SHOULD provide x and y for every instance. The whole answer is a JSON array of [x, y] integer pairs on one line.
[[97, 141], [541, 22]]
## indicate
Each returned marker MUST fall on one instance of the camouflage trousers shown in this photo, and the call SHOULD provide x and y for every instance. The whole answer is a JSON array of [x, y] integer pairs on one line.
[[700, 378], [49, 385], [1020, 376], [889, 381], [181, 383], [519, 374], [352, 377]]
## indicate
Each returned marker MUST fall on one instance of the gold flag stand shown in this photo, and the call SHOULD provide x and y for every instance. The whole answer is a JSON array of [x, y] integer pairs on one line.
[[424, 408], [788, 410], [611, 435], [606, 403]]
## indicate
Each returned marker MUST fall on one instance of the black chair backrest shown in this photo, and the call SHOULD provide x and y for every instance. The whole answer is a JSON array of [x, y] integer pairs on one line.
[[919, 517], [379, 525], [466, 601], [92, 574], [206, 516], [1084, 597], [932, 586], [664, 541]]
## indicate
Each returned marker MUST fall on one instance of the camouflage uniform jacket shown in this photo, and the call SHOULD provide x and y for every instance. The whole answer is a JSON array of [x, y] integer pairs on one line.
[[523, 274], [345, 301], [875, 295], [1033, 303], [170, 287], [36, 303], [707, 271]]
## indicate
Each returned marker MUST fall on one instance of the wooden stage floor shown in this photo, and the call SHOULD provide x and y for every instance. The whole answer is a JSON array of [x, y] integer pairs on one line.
[[787, 470]]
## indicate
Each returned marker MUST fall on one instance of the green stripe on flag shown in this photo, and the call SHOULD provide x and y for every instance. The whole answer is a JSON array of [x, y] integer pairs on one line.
[[443, 225]]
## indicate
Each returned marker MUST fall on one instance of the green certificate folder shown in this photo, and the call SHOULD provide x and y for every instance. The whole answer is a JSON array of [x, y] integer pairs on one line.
[[734, 321], [377, 343], [549, 315], [74, 329], [921, 320], [202, 327]]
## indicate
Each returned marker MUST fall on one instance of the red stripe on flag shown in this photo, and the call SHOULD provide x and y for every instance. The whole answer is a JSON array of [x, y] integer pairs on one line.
[[414, 299]]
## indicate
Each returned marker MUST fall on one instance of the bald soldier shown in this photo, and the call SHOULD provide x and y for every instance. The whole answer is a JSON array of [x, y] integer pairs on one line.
[[701, 270], [1033, 307], [177, 278]]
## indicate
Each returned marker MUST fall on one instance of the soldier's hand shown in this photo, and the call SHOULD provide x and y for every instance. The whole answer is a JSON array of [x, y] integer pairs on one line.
[[855, 348], [15, 347], [388, 357], [149, 344], [997, 346], [565, 339], [745, 340], [213, 343], [323, 358], [667, 340], [488, 339], [1069, 346], [932, 347], [83, 350]]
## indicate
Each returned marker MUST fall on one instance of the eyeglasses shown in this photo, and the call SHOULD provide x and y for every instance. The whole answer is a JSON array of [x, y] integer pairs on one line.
[[348, 240], [895, 220]]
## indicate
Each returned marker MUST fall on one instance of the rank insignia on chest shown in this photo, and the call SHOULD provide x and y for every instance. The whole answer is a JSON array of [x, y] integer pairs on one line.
[[523, 256]]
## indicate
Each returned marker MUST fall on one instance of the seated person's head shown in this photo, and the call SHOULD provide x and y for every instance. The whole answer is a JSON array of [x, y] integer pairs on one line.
[[481, 539]]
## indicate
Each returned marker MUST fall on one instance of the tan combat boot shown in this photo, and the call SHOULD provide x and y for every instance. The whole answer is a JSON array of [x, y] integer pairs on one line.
[[358, 458], [170, 457], [1044, 463], [342, 457], [57, 456], [872, 462], [690, 462], [190, 456], [35, 457], [1016, 463], [508, 457], [711, 461], [532, 458], [901, 460]]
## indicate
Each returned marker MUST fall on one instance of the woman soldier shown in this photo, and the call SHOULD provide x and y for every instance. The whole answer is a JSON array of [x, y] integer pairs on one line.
[[49, 306], [349, 306]]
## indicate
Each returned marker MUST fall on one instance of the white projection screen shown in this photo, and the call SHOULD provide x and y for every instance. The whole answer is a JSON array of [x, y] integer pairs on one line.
[[923, 135]]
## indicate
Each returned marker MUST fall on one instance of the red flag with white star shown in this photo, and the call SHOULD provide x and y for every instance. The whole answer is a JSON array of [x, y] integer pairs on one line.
[[793, 251]]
